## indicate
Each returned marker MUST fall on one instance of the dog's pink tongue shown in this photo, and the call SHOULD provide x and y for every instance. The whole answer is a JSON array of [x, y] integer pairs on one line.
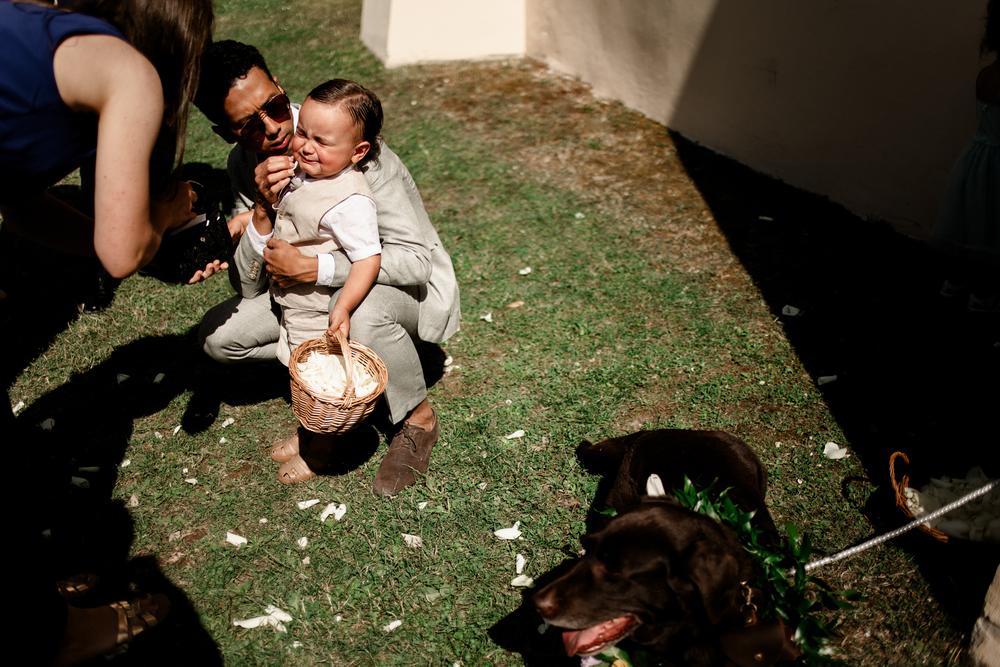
[[575, 640], [588, 639]]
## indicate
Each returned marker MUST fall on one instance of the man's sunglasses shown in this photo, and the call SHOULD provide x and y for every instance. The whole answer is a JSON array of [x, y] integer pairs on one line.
[[277, 108]]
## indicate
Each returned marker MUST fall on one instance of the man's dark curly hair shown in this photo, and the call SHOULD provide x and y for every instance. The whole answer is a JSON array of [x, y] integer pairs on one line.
[[222, 64]]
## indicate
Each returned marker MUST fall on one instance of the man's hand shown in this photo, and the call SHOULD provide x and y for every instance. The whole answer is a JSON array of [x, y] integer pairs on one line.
[[340, 320], [287, 265], [210, 269], [272, 175]]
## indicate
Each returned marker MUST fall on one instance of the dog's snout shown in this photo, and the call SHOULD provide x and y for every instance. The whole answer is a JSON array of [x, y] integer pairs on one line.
[[547, 602]]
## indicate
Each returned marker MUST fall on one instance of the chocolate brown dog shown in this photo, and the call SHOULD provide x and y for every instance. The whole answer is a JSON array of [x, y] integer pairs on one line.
[[674, 582]]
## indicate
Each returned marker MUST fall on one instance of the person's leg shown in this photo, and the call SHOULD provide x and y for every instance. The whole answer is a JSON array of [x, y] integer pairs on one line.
[[386, 321], [240, 330]]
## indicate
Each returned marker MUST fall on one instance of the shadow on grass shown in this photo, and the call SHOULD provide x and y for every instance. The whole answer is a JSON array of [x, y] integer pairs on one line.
[[914, 371], [74, 461]]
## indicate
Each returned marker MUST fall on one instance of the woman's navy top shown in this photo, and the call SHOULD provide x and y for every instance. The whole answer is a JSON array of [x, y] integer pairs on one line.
[[41, 139]]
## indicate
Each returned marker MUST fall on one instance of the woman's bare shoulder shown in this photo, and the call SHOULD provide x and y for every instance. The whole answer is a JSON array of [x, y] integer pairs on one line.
[[90, 68]]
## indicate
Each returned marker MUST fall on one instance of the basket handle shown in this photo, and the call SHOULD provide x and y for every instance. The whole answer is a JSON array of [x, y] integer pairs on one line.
[[345, 351]]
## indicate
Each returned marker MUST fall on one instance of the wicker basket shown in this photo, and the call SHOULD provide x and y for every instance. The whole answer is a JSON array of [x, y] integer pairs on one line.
[[899, 487], [325, 413]]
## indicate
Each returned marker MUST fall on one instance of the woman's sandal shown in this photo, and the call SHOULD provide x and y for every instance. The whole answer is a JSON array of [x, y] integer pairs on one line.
[[106, 630], [139, 615], [285, 450], [77, 586], [295, 470]]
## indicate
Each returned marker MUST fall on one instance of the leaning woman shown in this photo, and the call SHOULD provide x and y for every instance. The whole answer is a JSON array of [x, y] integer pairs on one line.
[[101, 83]]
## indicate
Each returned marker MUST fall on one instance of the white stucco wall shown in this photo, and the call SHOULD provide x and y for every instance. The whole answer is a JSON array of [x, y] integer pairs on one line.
[[402, 32], [867, 103]]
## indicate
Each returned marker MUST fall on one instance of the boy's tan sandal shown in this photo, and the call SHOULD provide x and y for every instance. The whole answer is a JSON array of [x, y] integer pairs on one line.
[[295, 470], [285, 450]]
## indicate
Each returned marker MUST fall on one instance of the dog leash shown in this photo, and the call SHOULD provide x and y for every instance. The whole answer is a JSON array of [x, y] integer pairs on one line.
[[875, 541]]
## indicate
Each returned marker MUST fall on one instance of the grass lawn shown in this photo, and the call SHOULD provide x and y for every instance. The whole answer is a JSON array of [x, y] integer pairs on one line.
[[658, 274]]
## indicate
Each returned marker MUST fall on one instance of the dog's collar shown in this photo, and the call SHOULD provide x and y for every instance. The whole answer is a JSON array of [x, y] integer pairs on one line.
[[756, 643]]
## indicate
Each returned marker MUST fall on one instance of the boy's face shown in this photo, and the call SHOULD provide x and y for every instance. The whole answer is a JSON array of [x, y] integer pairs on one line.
[[259, 116], [326, 139]]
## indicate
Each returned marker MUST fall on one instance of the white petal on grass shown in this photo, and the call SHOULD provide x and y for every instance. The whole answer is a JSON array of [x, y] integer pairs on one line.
[[184, 471], [303, 542], [262, 521], [306, 504], [229, 422], [519, 562], [251, 623], [126, 463], [17, 408], [337, 510], [832, 450], [47, 424], [222, 441], [159, 378], [389, 627], [525, 271], [790, 311], [579, 216], [486, 317], [422, 505], [157, 435], [522, 581], [654, 486], [282, 616], [511, 533], [306, 560], [482, 486], [448, 361], [515, 304], [191, 480], [177, 429], [133, 500], [513, 436], [338, 618], [412, 541], [235, 540], [825, 379], [296, 644]]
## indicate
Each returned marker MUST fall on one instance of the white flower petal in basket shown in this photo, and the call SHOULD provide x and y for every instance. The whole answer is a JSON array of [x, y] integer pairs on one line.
[[511, 533]]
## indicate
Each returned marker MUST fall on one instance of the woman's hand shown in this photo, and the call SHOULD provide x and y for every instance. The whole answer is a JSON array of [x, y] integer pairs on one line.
[[174, 208], [340, 320], [272, 175]]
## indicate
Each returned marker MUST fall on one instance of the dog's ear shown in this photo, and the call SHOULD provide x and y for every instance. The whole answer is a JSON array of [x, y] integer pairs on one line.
[[607, 455], [715, 569]]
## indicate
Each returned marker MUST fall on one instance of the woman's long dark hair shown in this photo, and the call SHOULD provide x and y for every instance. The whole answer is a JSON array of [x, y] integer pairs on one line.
[[172, 34]]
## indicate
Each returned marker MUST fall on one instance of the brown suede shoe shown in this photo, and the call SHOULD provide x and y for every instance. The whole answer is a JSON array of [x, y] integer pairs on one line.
[[409, 453]]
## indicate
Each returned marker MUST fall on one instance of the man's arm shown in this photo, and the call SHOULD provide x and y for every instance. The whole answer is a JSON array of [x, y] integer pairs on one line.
[[406, 249]]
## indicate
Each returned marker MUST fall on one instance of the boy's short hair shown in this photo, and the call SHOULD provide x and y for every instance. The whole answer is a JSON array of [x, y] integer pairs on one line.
[[222, 64], [363, 106]]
